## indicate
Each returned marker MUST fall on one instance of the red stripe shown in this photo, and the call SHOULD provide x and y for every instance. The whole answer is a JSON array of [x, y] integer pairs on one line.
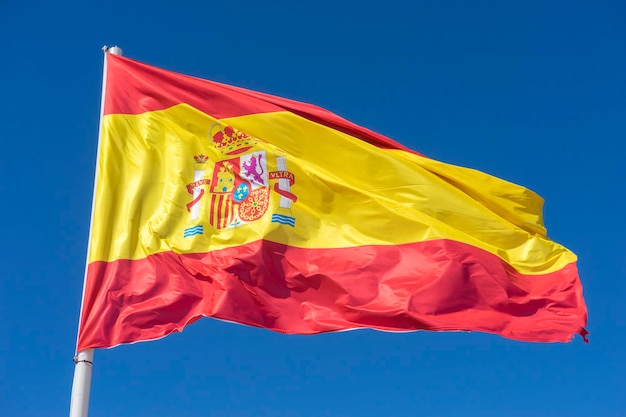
[[212, 210], [134, 88], [195, 200], [434, 285], [228, 215], [285, 193]]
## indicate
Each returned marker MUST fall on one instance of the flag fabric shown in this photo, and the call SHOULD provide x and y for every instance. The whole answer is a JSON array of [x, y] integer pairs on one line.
[[216, 201]]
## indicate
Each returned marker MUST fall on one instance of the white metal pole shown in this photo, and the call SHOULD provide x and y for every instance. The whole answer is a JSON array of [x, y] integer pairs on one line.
[[81, 385], [115, 50], [79, 405]]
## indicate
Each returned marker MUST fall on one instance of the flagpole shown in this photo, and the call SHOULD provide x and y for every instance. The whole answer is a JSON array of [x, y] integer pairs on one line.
[[79, 405], [81, 385]]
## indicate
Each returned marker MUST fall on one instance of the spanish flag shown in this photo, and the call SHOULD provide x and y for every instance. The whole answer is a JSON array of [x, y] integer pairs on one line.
[[216, 201]]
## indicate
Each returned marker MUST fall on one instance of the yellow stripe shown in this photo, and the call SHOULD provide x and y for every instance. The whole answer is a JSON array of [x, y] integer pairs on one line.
[[349, 193]]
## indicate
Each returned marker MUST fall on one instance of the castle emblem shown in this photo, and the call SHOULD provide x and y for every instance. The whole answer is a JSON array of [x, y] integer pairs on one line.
[[238, 189]]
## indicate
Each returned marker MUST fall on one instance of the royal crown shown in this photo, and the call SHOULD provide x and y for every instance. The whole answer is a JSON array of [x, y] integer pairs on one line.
[[200, 159], [231, 141]]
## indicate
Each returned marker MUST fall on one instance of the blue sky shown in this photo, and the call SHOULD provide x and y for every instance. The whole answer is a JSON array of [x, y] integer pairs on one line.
[[533, 92]]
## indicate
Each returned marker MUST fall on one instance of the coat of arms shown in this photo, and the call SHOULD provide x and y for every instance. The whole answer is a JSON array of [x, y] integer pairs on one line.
[[237, 191]]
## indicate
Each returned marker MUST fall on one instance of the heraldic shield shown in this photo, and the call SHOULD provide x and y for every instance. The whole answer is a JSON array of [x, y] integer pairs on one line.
[[239, 190]]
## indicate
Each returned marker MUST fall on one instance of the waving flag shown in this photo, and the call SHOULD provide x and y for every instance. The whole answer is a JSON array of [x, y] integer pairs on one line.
[[215, 201]]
